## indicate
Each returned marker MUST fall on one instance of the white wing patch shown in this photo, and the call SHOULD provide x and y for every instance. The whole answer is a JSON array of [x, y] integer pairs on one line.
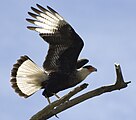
[[47, 21]]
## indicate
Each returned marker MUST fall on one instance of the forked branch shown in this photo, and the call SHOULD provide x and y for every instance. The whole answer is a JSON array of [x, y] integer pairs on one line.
[[65, 102]]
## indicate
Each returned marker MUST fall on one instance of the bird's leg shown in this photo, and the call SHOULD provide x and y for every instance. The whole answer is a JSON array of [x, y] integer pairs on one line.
[[56, 116], [48, 100], [57, 96], [50, 103]]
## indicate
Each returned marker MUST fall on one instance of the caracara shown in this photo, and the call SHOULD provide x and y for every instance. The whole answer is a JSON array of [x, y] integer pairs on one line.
[[61, 68]]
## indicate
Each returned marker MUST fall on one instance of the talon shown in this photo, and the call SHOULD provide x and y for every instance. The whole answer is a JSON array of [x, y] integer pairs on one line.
[[49, 100], [57, 96], [56, 116]]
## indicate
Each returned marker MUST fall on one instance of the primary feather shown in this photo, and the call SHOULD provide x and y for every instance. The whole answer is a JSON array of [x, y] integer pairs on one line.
[[62, 69], [62, 39]]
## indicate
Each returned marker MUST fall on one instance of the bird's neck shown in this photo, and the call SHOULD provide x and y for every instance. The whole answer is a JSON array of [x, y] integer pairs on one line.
[[82, 73]]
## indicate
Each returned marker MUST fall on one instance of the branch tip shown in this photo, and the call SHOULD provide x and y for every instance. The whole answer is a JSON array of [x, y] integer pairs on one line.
[[83, 86], [116, 65], [128, 82]]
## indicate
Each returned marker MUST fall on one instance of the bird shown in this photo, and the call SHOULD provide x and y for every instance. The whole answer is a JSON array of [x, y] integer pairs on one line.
[[62, 68]]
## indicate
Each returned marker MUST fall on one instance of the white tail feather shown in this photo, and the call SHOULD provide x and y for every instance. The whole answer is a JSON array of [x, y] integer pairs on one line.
[[28, 77]]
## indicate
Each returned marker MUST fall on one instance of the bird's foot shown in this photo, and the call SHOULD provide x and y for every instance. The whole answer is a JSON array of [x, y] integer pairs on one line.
[[57, 96]]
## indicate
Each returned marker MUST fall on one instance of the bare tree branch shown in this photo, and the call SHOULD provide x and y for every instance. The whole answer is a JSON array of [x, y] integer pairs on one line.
[[51, 106], [64, 103]]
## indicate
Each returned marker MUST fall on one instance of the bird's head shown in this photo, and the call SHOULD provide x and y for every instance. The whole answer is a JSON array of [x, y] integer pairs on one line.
[[90, 68], [85, 71]]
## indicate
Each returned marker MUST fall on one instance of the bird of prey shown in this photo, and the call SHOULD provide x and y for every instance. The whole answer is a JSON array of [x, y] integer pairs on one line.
[[61, 68]]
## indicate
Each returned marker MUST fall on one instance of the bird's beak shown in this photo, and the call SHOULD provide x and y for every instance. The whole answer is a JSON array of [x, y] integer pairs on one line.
[[92, 69]]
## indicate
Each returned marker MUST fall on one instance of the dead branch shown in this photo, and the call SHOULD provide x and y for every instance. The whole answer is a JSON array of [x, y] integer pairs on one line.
[[56, 103], [64, 102]]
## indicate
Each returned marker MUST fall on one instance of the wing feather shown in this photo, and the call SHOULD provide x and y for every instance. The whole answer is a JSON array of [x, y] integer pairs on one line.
[[64, 43]]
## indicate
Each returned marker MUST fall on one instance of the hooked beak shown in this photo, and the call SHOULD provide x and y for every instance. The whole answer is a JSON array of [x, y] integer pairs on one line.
[[92, 69]]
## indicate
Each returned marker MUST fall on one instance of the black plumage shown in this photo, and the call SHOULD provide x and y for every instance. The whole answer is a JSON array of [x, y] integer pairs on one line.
[[61, 68]]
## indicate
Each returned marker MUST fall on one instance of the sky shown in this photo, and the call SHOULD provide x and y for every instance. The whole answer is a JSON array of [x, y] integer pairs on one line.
[[108, 28]]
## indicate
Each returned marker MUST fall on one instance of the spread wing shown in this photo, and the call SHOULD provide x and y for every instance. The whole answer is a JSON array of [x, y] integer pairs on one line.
[[64, 43]]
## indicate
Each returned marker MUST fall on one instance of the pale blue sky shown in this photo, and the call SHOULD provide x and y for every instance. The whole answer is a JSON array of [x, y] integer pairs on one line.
[[108, 28]]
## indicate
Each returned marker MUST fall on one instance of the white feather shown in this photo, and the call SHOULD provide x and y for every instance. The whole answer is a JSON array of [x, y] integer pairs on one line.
[[46, 21], [52, 16], [43, 25], [59, 16], [42, 30], [29, 77], [48, 18]]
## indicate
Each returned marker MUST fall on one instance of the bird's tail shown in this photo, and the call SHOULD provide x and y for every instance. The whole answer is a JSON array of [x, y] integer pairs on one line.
[[26, 77]]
